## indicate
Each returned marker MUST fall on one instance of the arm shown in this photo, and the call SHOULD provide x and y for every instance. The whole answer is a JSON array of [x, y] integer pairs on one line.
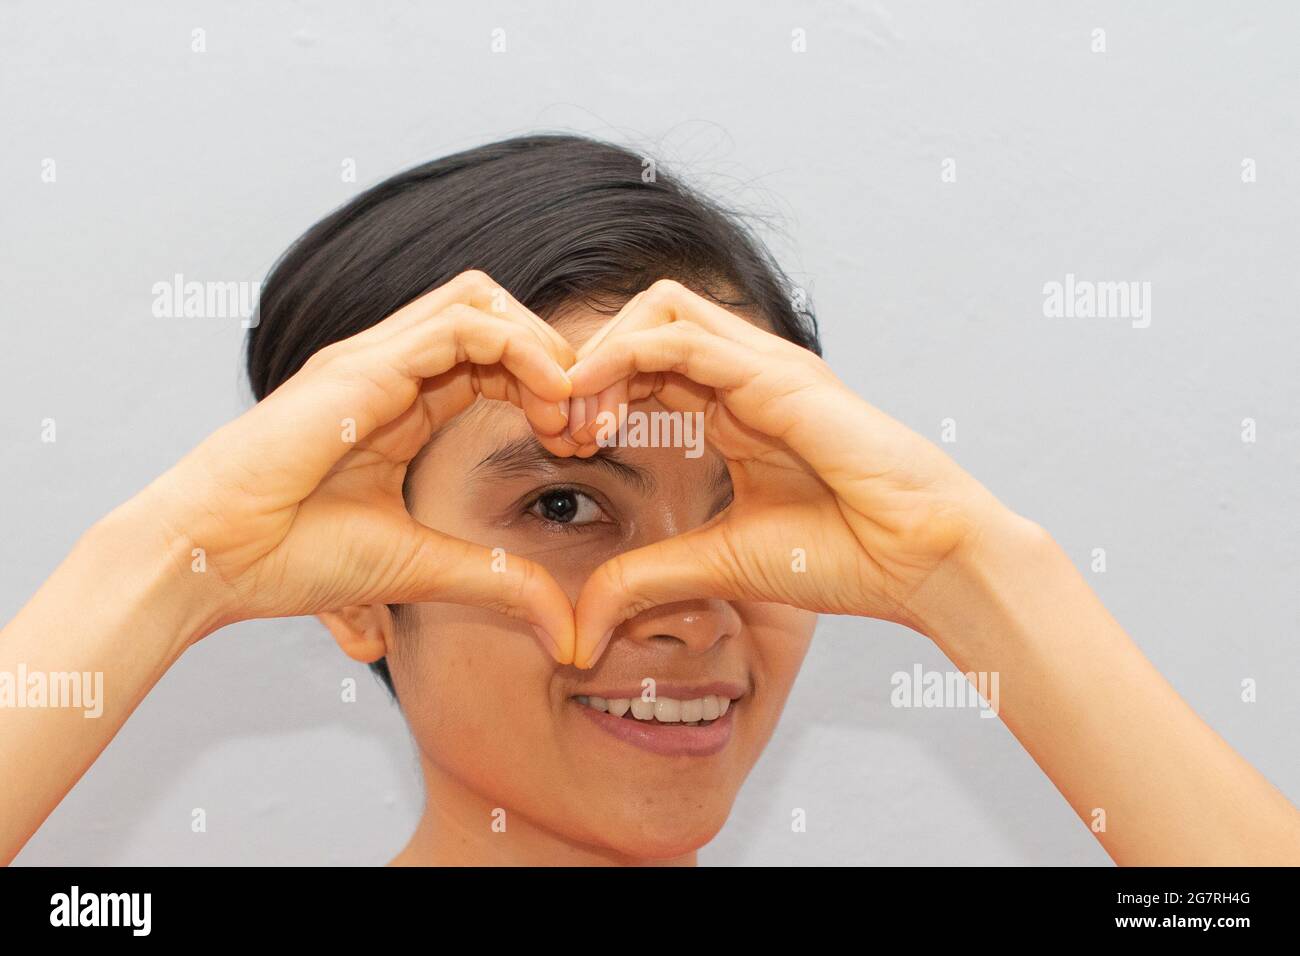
[[891, 528], [273, 499], [124, 604], [1095, 714]]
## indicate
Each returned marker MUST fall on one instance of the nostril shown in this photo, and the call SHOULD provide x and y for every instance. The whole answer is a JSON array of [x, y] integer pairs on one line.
[[694, 625], [666, 638]]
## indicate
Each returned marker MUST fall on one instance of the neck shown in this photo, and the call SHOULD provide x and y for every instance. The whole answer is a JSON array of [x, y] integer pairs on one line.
[[461, 828]]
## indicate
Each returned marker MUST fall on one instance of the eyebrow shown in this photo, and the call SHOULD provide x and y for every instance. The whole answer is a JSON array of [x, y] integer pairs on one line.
[[525, 456]]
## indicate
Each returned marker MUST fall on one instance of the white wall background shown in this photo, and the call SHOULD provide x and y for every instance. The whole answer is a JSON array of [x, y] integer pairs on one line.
[[1124, 165]]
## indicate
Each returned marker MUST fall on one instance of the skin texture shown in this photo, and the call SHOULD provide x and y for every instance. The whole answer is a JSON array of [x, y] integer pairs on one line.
[[294, 514]]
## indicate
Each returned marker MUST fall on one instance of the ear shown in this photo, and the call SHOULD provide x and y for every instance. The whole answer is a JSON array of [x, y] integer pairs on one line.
[[363, 631]]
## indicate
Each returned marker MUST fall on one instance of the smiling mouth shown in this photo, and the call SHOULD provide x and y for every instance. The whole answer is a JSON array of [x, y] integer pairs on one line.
[[694, 724], [696, 712]]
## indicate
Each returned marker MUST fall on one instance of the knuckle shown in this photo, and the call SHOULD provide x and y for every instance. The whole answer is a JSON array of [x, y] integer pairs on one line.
[[687, 332], [562, 352], [458, 312], [429, 556], [616, 579], [322, 357], [662, 290], [474, 281], [462, 318], [522, 588]]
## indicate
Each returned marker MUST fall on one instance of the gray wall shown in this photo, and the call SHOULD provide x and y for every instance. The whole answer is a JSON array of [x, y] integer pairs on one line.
[[1117, 166]]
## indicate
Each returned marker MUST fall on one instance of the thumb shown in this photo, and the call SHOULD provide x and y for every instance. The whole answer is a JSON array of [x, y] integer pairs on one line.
[[692, 565], [449, 570]]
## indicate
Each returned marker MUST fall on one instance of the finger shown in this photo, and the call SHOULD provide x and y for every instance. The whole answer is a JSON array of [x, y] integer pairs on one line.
[[603, 413], [473, 288], [496, 382], [577, 418], [533, 379], [446, 396], [561, 445], [677, 392], [669, 301], [791, 397], [342, 396], [485, 294], [692, 565], [489, 296], [559, 345], [681, 347], [666, 303], [547, 418], [480, 291], [461, 333], [586, 410], [781, 399], [609, 327], [446, 569], [610, 403], [584, 416]]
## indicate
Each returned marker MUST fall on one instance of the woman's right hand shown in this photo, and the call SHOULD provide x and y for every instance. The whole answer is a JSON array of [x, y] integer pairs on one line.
[[297, 504]]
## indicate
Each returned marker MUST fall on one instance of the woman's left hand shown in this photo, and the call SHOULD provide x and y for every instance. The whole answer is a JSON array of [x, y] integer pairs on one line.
[[890, 527], [837, 508]]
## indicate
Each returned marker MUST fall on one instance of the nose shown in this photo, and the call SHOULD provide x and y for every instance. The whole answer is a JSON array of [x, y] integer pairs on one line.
[[696, 625]]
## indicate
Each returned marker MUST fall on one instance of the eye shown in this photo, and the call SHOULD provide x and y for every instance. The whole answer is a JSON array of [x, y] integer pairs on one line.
[[566, 506]]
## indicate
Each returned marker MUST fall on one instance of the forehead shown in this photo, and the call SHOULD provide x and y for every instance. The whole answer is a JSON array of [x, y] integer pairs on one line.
[[579, 324]]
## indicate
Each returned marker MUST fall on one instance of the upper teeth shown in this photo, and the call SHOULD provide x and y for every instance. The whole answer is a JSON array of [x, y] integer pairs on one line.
[[666, 710]]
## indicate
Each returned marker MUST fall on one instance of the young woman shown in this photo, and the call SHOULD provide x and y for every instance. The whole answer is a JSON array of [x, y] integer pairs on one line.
[[591, 638]]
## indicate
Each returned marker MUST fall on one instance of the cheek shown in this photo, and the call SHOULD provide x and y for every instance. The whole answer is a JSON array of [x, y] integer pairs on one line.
[[781, 637], [475, 691]]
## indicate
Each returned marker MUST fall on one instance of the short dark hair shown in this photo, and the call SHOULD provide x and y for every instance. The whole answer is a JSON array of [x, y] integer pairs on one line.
[[557, 220]]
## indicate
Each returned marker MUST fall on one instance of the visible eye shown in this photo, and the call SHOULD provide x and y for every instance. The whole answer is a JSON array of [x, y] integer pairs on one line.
[[566, 506]]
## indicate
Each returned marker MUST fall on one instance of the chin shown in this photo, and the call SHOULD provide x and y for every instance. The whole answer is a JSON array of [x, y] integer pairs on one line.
[[667, 832]]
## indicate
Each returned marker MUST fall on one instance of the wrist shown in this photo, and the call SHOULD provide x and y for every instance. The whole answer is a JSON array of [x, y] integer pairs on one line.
[[971, 599], [137, 552]]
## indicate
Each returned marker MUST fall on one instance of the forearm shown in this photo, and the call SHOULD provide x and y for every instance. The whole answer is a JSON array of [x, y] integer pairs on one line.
[[1093, 712], [108, 623]]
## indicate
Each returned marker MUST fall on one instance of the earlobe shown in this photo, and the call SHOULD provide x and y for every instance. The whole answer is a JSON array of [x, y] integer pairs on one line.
[[362, 631]]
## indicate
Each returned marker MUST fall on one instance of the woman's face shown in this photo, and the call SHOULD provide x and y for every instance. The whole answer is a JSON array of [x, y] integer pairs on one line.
[[494, 714]]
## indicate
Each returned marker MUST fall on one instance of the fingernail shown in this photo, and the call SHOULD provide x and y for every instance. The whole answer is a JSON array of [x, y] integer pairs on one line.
[[549, 641], [600, 648], [563, 409]]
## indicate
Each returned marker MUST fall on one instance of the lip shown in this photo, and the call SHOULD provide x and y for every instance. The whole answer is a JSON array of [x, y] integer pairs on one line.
[[668, 740]]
